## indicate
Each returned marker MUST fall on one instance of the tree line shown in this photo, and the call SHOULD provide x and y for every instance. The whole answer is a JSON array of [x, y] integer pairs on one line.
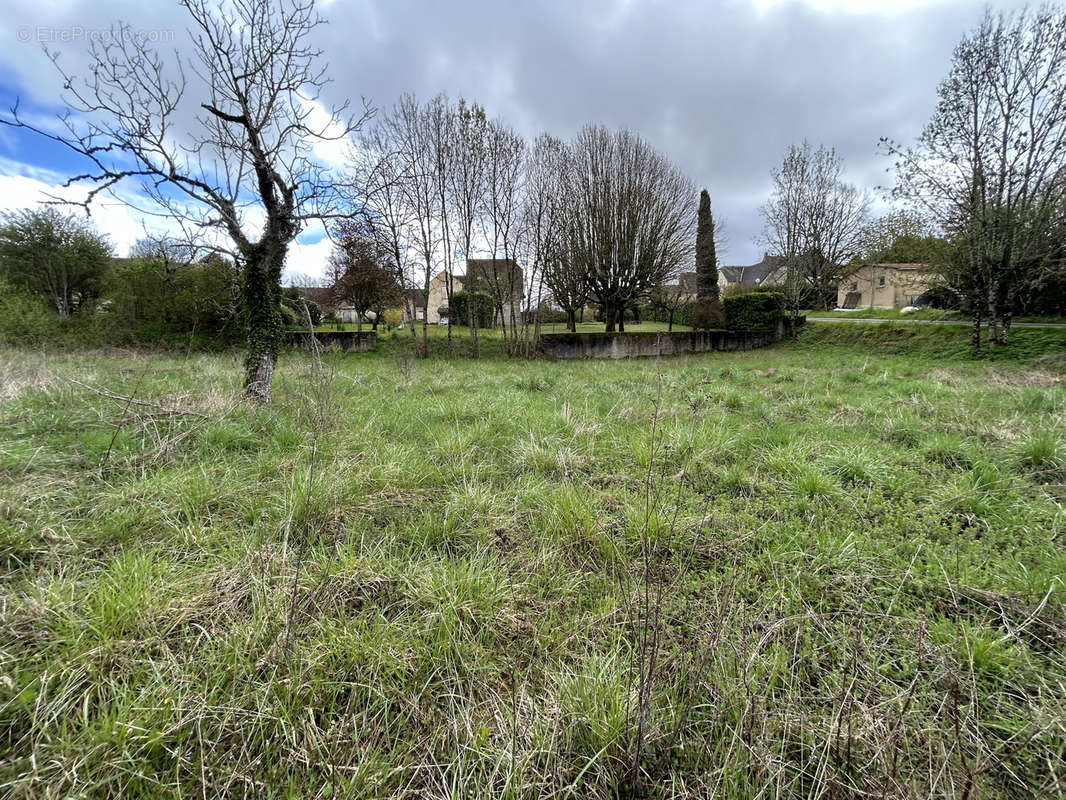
[[602, 218], [225, 141]]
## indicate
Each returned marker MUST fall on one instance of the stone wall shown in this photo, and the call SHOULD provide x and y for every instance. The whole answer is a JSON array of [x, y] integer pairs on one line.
[[643, 345], [345, 341]]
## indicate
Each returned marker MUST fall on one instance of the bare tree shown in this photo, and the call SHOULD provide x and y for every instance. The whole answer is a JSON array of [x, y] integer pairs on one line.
[[379, 169], [257, 81], [629, 222], [566, 277], [669, 298], [815, 221], [542, 210], [406, 131], [438, 124], [466, 187], [504, 188], [990, 166]]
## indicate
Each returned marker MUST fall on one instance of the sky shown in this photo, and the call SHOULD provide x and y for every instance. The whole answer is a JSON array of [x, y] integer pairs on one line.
[[722, 87]]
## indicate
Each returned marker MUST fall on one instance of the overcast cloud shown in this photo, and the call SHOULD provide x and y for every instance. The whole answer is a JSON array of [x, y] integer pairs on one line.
[[721, 87]]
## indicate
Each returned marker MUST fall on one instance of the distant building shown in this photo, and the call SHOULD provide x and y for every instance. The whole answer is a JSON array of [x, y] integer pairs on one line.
[[768, 272], [771, 270], [500, 277], [885, 286]]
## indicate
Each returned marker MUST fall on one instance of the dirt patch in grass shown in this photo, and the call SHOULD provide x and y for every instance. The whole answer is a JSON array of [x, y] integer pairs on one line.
[[16, 379], [1043, 378]]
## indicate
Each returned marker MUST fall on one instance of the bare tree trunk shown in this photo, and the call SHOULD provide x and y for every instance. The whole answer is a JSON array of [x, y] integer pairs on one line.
[[976, 338], [993, 326], [262, 289]]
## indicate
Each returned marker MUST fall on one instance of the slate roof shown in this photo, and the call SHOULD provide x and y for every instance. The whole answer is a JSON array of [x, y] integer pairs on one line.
[[754, 274]]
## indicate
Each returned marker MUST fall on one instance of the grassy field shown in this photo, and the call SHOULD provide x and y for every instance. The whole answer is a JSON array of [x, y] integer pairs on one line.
[[935, 314], [829, 569]]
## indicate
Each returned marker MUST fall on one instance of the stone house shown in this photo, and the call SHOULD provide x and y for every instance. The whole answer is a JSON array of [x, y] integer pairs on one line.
[[885, 286], [499, 277]]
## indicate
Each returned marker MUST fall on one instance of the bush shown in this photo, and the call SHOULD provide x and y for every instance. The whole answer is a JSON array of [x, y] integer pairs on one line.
[[754, 312], [807, 296], [57, 256], [148, 302], [25, 318], [483, 308], [546, 315]]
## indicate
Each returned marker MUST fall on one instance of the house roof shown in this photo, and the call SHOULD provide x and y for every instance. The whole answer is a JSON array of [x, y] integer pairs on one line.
[[754, 274]]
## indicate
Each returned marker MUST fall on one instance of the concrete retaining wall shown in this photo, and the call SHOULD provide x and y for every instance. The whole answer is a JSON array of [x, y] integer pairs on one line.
[[643, 345], [345, 341]]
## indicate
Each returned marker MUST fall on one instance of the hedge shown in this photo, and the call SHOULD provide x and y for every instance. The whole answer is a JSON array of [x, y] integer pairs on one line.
[[754, 312], [483, 305]]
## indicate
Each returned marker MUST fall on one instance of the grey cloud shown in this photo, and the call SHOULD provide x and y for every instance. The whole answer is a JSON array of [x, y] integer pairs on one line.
[[721, 87]]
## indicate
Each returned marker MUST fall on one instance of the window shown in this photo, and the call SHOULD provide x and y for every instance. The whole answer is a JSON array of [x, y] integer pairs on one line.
[[854, 287], [881, 281]]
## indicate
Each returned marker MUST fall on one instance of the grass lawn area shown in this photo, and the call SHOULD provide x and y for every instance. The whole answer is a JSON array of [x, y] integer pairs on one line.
[[925, 313], [888, 313], [840, 559]]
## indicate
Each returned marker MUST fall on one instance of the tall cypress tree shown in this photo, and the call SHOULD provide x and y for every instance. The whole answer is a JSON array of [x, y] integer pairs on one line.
[[708, 305]]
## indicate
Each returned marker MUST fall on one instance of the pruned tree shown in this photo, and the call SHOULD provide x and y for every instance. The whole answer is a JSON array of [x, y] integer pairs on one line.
[[629, 222], [815, 221], [990, 166], [708, 310], [242, 164], [59, 256]]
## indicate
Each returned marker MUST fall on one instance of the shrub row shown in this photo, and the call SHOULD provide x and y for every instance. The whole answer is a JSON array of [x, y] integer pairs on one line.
[[483, 308], [754, 312]]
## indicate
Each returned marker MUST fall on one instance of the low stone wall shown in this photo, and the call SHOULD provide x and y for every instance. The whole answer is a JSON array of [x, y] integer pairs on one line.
[[643, 345], [345, 341]]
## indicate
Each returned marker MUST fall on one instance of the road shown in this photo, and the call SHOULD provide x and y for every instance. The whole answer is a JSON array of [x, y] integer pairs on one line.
[[905, 321]]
